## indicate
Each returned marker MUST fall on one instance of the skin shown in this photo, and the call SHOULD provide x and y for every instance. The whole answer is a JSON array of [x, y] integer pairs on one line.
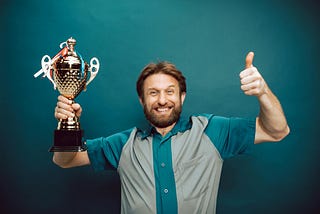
[[162, 96], [271, 124]]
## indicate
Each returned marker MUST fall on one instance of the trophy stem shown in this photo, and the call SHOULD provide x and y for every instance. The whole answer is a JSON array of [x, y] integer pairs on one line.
[[71, 123]]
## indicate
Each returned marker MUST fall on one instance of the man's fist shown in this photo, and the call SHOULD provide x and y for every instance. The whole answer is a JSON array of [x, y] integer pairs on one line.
[[65, 108]]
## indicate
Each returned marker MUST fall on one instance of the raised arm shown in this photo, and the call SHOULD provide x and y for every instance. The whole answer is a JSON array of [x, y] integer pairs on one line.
[[271, 124], [64, 109]]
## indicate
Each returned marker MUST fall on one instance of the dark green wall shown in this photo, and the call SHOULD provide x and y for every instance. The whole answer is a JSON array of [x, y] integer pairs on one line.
[[208, 41]]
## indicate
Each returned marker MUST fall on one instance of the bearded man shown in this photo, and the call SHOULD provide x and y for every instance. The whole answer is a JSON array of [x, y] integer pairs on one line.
[[174, 166]]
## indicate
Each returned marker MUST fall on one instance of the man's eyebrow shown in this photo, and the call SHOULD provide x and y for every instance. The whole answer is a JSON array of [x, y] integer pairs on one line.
[[153, 88], [171, 86]]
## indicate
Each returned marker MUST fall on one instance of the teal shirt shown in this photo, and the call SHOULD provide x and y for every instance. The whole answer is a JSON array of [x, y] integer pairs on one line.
[[177, 173]]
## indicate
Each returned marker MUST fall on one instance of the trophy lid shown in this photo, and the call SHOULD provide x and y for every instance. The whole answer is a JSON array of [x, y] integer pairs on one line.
[[72, 59]]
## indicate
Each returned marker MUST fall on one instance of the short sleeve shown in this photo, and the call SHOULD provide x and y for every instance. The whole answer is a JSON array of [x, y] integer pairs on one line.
[[104, 152], [231, 136]]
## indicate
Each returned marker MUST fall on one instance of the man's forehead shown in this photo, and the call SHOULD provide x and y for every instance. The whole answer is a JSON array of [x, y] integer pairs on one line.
[[160, 80]]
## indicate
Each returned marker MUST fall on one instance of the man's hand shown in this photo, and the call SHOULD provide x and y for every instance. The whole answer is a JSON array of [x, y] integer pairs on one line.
[[65, 108], [251, 80]]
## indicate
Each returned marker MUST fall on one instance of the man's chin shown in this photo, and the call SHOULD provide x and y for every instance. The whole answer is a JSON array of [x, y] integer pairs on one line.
[[164, 119], [162, 125]]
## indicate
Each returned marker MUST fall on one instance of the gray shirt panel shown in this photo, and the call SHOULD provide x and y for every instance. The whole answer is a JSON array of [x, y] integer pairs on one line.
[[197, 165], [137, 176]]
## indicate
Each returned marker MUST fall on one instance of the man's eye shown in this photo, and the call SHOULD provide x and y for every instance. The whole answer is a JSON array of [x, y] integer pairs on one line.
[[170, 91], [153, 93]]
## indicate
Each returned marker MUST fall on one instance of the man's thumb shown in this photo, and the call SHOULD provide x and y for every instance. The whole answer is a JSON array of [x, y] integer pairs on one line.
[[249, 59]]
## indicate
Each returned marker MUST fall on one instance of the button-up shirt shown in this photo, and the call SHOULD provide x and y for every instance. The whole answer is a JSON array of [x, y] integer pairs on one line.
[[175, 173]]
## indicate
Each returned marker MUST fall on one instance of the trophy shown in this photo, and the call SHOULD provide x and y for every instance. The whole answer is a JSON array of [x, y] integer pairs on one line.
[[70, 74]]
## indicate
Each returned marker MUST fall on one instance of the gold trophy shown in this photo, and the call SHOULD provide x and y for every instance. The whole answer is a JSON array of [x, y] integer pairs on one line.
[[70, 74]]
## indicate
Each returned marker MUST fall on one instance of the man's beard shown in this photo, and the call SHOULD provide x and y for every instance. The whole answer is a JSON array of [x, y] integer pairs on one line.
[[161, 122]]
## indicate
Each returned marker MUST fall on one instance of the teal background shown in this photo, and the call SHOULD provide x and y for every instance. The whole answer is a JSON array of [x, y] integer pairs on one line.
[[208, 41]]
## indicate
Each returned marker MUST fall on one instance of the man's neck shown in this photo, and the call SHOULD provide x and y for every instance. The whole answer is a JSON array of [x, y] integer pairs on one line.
[[166, 130]]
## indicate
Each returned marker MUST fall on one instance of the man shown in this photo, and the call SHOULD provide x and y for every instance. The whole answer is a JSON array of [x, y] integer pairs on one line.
[[175, 166]]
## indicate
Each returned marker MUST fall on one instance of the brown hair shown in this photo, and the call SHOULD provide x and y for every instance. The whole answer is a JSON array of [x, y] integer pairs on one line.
[[160, 68]]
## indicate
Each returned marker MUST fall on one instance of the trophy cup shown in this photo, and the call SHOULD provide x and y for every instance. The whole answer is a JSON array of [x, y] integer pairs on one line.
[[70, 74]]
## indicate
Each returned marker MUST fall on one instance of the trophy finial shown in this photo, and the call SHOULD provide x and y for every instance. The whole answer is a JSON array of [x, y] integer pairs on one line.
[[71, 42]]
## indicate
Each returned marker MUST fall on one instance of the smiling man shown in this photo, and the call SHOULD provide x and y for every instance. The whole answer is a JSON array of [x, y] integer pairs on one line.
[[175, 165]]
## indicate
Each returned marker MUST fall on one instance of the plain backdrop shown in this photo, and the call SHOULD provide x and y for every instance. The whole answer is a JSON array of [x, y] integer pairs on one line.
[[208, 41]]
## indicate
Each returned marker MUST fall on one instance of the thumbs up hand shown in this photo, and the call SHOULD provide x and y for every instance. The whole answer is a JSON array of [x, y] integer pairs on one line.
[[251, 80]]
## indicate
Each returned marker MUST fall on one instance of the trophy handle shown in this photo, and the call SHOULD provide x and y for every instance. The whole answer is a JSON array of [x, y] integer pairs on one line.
[[46, 67], [94, 68], [63, 44]]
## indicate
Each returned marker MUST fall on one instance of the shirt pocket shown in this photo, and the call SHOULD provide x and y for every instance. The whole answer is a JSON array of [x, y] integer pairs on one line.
[[194, 177]]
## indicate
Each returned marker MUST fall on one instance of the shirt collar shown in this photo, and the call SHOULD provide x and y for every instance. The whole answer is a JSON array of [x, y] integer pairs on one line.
[[183, 124]]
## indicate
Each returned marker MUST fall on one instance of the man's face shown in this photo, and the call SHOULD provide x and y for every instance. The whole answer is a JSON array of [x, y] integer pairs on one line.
[[162, 101]]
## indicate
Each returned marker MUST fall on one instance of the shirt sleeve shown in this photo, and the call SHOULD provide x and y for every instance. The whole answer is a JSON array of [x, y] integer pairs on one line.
[[104, 152], [231, 136]]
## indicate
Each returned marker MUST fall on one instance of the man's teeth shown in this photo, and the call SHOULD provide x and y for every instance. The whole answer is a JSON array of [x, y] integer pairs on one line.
[[162, 109]]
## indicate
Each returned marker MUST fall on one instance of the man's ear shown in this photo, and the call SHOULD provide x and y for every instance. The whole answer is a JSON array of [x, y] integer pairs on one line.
[[141, 101], [183, 96]]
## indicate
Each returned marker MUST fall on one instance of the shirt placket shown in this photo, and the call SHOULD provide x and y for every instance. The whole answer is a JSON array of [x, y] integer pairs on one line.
[[166, 181]]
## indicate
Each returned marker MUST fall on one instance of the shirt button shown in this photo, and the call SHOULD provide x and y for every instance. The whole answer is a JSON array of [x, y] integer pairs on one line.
[[166, 191], [163, 164]]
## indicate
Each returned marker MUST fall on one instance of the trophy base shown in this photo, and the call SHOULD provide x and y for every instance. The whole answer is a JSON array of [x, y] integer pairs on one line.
[[68, 141], [68, 148]]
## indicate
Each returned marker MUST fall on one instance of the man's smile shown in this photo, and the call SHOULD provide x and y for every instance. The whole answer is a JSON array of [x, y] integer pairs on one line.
[[162, 110]]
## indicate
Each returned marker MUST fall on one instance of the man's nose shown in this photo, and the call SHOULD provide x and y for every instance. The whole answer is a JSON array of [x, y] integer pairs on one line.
[[162, 99]]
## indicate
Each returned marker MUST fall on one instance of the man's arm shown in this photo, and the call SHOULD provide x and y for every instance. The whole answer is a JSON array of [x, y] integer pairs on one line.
[[64, 109], [71, 159], [271, 124]]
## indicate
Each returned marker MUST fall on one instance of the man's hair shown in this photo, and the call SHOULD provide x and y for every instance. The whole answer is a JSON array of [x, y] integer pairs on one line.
[[160, 68]]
